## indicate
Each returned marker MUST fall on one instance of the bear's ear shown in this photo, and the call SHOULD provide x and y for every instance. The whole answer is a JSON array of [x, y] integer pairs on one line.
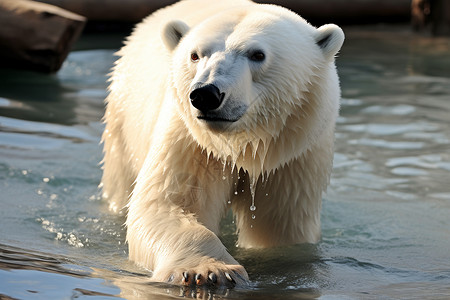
[[330, 38], [173, 32]]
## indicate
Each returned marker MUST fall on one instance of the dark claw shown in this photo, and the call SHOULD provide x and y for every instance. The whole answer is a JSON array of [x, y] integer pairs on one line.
[[186, 277], [198, 279], [230, 279], [212, 277]]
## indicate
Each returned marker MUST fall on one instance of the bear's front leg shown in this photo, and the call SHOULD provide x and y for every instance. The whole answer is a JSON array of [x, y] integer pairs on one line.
[[173, 213]]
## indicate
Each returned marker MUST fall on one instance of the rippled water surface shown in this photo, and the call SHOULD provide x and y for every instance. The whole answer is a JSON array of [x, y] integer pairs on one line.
[[386, 216]]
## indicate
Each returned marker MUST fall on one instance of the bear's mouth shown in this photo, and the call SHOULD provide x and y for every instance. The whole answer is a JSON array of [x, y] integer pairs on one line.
[[222, 117], [215, 119]]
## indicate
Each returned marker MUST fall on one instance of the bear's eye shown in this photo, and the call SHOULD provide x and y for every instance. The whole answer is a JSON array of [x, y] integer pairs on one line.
[[194, 57], [257, 56]]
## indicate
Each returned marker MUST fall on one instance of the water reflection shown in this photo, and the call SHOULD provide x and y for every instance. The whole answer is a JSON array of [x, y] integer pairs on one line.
[[31, 274], [73, 96]]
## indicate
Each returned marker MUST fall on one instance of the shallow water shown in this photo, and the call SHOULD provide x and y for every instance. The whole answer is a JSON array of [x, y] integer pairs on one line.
[[386, 216]]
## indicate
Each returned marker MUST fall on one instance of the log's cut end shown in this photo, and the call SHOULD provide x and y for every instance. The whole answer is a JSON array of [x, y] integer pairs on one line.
[[431, 16], [36, 36]]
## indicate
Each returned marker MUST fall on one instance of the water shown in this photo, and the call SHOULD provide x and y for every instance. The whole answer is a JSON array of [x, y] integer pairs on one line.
[[386, 216]]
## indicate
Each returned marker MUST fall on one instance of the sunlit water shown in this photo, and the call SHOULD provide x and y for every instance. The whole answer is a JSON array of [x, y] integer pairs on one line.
[[386, 216]]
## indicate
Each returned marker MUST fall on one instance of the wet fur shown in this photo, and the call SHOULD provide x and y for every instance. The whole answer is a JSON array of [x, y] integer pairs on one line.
[[175, 178]]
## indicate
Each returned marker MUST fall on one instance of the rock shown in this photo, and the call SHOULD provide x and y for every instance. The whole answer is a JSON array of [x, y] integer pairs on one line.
[[36, 36]]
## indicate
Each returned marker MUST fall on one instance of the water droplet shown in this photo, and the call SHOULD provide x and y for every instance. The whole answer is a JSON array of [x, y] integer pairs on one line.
[[252, 192], [242, 191], [229, 201], [253, 216], [267, 194], [251, 226], [45, 179], [224, 177], [235, 192]]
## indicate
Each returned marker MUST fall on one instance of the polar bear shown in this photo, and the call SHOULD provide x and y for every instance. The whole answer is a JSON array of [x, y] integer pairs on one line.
[[216, 105]]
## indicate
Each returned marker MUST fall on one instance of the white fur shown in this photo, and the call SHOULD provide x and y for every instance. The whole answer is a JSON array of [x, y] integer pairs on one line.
[[179, 172]]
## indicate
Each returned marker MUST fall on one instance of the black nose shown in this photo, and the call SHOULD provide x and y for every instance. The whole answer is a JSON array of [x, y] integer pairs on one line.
[[206, 98]]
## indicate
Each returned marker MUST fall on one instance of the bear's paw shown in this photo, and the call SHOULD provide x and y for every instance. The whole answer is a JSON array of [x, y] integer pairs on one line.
[[211, 275]]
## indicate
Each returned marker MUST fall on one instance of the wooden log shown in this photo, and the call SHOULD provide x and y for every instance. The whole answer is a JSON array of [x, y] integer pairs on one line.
[[341, 11], [348, 11], [440, 16], [112, 10], [36, 36], [431, 16]]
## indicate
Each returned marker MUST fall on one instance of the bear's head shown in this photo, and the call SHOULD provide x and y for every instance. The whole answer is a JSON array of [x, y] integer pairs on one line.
[[242, 75]]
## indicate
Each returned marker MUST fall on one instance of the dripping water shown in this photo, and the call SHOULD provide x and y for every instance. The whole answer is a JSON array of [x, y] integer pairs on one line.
[[252, 193]]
